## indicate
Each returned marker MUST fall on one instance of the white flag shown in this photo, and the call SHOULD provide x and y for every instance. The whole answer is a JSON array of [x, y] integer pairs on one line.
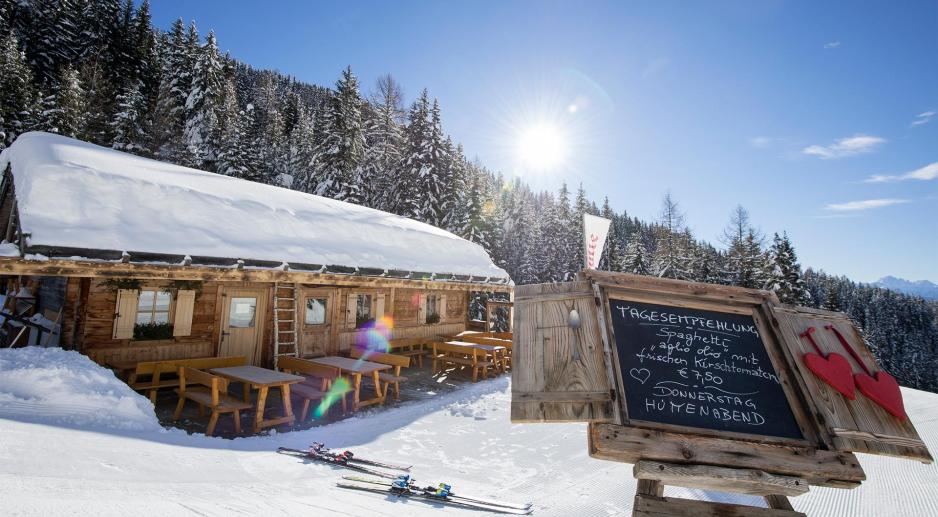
[[595, 230]]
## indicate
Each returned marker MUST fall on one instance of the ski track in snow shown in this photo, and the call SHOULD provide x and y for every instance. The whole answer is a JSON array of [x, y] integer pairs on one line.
[[114, 461]]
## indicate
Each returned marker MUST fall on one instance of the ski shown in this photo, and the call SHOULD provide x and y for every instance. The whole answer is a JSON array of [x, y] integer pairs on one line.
[[431, 497], [337, 460], [405, 480], [321, 448]]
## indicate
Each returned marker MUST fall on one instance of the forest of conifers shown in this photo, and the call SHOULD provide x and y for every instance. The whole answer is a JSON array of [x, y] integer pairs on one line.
[[99, 71]]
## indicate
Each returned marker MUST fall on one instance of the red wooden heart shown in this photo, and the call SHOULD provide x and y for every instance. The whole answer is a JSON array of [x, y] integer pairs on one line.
[[883, 390], [835, 370]]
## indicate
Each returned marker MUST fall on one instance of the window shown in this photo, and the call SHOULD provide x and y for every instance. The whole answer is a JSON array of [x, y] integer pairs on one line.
[[153, 307], [316, 311], [241, 313], [153, 310], [433, 309], [363, 313]]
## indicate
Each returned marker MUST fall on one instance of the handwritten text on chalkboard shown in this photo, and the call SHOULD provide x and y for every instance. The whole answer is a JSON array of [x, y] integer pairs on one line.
[[698, 368]]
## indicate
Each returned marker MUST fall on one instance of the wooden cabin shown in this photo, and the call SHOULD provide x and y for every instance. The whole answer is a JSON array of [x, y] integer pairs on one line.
[[143, 260]]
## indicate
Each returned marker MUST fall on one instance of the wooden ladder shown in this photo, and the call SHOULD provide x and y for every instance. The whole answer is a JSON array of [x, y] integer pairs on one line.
[[285, 338]]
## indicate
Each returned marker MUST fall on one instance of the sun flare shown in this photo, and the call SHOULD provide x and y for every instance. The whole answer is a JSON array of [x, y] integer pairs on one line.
[[542, 146]]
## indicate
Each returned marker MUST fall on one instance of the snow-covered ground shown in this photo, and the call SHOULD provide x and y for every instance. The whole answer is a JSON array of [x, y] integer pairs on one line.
[[76, 441]]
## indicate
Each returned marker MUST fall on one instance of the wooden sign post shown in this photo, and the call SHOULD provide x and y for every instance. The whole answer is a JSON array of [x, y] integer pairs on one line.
[[703, 386]]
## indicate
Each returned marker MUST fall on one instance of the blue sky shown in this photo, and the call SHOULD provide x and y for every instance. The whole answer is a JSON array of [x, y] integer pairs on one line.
[[788, 108]]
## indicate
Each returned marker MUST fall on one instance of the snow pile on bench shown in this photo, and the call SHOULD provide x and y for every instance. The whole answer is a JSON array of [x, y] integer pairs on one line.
[[64, 388], [74, 194]]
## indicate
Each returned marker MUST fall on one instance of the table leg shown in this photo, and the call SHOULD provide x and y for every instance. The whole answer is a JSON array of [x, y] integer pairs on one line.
[[259, 414], [287, 406], [356, 393], [246, 392], [378, 386]]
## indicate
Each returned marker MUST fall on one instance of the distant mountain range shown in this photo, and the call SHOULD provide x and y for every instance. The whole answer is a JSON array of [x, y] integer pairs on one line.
[[923, 288]]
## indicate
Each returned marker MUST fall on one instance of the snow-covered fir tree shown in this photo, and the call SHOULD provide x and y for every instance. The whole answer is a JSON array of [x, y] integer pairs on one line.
[[169, 118], [201, 107], [128, 124], [16, 91], [672, 251], [338, 162], [385, 140], [66, 112], [784, 272]]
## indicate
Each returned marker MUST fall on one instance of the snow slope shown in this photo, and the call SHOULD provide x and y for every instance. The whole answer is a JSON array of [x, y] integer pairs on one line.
[[75, 194], [55, 467]]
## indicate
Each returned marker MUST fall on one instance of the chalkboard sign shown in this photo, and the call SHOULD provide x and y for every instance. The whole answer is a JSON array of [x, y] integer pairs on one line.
[[698, 368]]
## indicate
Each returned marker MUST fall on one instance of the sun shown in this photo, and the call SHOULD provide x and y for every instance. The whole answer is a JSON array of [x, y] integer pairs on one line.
[[542, 146]]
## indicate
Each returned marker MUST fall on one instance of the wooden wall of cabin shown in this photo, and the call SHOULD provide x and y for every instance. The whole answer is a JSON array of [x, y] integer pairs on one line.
[[403, 307], [88, 320], [95, 337]]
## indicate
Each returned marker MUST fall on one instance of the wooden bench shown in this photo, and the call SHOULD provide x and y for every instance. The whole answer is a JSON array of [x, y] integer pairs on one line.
[[415, 347], [444, 353], [155, 370], [395, 378], [485, 340], [319, 380], [211, 393]]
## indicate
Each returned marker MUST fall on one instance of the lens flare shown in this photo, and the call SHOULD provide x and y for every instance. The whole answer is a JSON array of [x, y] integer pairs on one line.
[[374, 337], [338, 390]]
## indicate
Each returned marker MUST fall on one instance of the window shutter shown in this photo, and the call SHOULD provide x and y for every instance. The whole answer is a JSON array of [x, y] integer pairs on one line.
[[125, 315], [182, 322], [442, 307], [379, 306], [422, 309], [351, 309]]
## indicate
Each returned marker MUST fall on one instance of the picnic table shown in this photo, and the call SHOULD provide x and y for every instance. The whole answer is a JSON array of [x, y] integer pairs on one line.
[[123, 368], [262, 380], [496, 351], [356, 368]]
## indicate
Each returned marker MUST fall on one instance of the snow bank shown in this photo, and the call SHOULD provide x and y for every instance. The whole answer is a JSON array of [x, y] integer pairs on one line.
[[63, 388], [76, 194]]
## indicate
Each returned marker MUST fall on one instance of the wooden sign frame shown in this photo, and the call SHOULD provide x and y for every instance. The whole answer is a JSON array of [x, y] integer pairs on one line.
[[757, 304]]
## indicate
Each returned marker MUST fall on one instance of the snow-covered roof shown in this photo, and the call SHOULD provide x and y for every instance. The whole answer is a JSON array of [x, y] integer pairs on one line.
[[75, 195]]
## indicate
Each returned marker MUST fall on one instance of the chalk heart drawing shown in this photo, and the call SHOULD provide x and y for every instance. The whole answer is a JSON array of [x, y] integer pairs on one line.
[[640, 375]]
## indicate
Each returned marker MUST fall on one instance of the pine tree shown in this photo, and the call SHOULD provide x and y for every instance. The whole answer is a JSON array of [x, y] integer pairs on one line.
[[169, 118], [671, 259], [475, 228], [67, 115], [432, 180], [384, 145], [610, 257], [128, 124], [745, 260], [784, 275], [202, 106], [416, 161], [301, 149], [343, 144], [635, 259], [16, 92]]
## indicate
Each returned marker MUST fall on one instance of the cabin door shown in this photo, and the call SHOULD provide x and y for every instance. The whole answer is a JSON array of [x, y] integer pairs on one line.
[[242, 325], [316, 308]]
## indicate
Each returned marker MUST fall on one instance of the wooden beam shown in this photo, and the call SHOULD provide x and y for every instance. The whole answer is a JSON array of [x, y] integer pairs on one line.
[[720, 293], [631, 445], [649, 506], [91, 269], [744, 481]]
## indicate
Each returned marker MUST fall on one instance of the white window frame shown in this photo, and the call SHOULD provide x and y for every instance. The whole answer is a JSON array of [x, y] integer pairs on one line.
[[152, 310]]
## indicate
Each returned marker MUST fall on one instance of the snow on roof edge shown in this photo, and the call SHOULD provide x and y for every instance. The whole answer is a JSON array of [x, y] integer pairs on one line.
[[73, 194]]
